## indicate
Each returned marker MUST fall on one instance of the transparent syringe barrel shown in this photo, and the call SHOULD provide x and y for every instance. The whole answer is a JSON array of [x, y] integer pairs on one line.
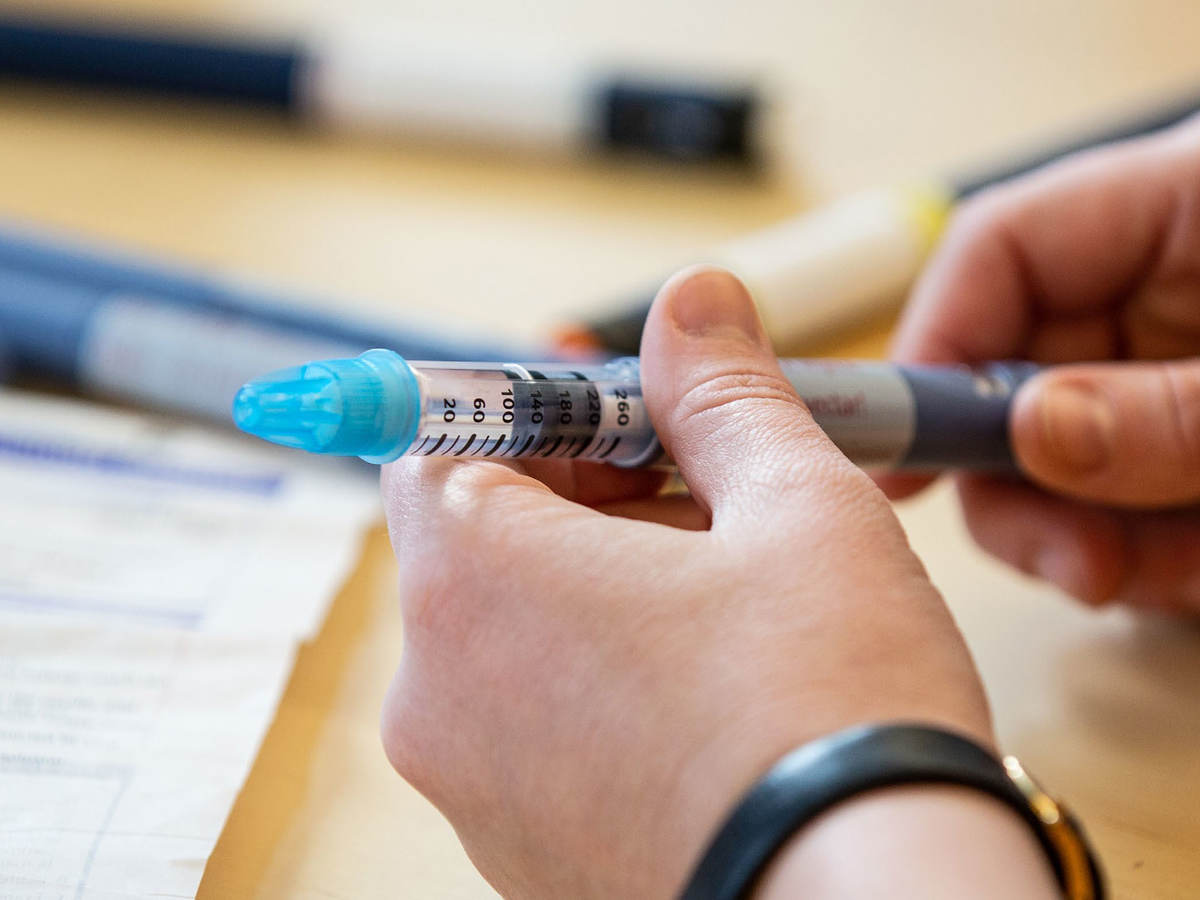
[[508, 411]]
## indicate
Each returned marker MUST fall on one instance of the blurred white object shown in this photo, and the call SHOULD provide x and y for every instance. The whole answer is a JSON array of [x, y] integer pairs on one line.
[[534, 97]]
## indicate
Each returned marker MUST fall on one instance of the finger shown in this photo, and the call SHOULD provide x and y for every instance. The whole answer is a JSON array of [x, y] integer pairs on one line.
[[437, 503], [1150, 560], [1079, 548], [1164, 553], [1067, 242], [1120, 433], [743, 440]]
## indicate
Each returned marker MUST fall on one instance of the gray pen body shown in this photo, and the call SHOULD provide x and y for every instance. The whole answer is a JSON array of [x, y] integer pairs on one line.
[[915, 418]]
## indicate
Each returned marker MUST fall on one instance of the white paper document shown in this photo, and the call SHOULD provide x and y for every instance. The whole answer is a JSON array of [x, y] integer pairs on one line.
[[155, 579], [134, 520], [121, 753]]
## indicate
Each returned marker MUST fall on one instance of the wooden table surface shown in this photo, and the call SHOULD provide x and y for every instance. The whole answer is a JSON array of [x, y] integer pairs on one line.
[[1105, 708]]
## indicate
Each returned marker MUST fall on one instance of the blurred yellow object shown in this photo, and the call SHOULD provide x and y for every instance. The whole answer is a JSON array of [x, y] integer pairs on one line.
[[929, 208]]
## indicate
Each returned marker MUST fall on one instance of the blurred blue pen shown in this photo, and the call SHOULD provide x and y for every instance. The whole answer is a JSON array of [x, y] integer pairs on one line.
[[166, 337]]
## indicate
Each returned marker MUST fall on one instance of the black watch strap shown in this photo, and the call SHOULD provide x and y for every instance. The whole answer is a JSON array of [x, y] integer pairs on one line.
[[821, 774]]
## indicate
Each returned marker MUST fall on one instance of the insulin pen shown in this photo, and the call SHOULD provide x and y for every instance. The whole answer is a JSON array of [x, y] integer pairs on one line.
[[413, 85], [380, 407]]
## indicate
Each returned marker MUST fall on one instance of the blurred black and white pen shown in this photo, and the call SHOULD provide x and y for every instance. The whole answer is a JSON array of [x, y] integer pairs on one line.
[[425, 86]]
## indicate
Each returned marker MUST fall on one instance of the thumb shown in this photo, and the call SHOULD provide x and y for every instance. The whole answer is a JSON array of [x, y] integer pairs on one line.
[[743, 440], [1125, 434]]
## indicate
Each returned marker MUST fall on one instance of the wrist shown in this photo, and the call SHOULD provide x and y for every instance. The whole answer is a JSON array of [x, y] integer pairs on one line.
[[711, 781], [859, 764], [929, 841]]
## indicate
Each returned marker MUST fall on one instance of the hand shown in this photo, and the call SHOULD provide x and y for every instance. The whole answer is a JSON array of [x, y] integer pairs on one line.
[[591, 678], [1094, 262]]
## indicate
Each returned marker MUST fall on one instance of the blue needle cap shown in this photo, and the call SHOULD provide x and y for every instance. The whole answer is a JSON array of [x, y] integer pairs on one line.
[[368, 406]]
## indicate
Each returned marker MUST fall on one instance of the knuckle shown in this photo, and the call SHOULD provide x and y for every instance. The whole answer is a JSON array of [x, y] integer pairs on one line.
[[394, 733], [407, 751], [723, 394], [433, 505], [983, 213], [794, 457]]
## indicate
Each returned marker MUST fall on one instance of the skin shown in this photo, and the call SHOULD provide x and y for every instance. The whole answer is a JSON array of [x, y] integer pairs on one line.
[[1093, 263], [593, 674]]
